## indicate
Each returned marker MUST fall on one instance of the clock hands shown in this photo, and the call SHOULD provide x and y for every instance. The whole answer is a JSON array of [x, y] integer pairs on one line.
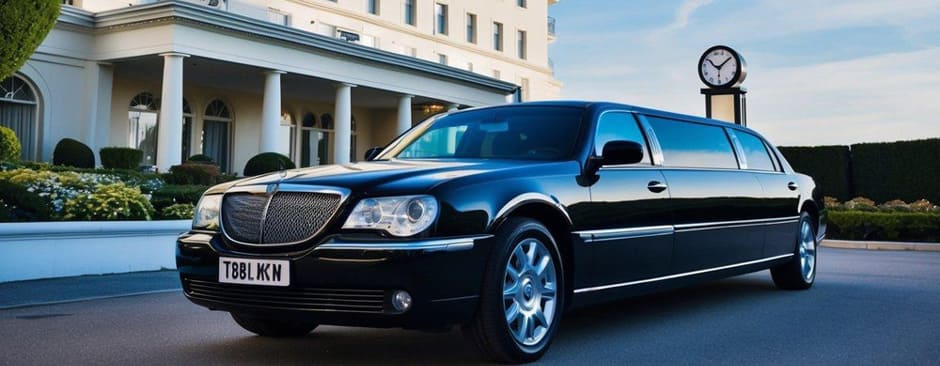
[[723, 63], [713, 64]]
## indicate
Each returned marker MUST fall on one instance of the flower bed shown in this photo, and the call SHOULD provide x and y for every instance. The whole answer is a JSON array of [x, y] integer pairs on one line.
[[896, 220]]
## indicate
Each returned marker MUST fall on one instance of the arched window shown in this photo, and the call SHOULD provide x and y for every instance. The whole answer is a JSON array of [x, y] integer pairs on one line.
[[216, 133], [142, 134], [326, 121], [309, 120], [19, 111]]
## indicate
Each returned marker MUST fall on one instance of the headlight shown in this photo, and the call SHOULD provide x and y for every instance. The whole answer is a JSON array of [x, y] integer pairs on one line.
[[399, 216], [207, 212]]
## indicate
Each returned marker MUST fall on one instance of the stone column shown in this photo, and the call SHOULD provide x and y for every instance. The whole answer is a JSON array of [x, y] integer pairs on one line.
[[452, 133], [453, 107], [404, 113], [170, 127], [343, 123], [271, 112]]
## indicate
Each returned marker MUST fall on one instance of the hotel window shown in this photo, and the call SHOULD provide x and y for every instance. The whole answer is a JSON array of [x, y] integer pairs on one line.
[[372, 6], [19, 111], [216, 133], [440, 15], [521, 44], [278, 17], [497, 36], [524, 85], [442, 58], [471, 28], [521, 3], [143, 117], [410, 12]]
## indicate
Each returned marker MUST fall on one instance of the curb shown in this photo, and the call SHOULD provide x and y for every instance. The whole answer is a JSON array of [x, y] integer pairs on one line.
[[90, 298], [881, 245]]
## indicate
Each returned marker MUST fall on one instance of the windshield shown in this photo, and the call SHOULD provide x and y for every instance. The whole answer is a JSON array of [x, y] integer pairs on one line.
[[530, 133]]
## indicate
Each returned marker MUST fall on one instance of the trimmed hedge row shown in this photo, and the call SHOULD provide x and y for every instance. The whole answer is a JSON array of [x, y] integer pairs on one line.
[[830, 166], [893, 226], [906, 170]]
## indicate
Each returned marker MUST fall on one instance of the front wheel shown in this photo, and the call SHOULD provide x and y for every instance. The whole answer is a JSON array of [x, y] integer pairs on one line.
[[523, 294], [273, 327], [799, 273]]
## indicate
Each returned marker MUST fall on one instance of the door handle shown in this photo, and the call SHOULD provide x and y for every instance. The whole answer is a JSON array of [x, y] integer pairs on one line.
[[793, 186], [656, 186]]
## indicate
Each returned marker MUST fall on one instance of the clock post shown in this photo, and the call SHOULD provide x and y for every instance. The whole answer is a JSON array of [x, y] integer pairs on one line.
[[723, 70]]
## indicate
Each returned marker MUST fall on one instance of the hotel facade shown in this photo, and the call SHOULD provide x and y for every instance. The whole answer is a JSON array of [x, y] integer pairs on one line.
[[318, 80]]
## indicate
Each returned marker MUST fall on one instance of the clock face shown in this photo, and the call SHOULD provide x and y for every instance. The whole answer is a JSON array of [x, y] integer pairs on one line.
[[720, 67]]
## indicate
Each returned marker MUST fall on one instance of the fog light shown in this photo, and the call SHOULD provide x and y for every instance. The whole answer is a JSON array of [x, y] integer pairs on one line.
[[401, 300]]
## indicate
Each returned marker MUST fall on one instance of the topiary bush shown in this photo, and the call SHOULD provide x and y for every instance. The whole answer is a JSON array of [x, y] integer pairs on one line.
[[71, 152], [9, 145], [109, 202], [266, 163], [201, 159], [18, 203], [178, 211], [23, 26], [120, 157], [192, 174]]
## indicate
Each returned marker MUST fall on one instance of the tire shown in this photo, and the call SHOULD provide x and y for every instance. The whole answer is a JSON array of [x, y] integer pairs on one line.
[[273, 327], [516, 294], [799, 273]]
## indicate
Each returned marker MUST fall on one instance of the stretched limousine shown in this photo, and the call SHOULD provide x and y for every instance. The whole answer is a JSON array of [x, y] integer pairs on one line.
[[499, 219]]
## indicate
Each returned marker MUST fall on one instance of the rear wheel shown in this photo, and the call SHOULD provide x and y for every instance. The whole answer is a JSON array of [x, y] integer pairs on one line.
[[273, 327], [799, 273], [523, 294]]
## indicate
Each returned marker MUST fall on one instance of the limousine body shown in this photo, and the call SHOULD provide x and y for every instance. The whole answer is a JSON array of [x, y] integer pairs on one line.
[[499, 219]]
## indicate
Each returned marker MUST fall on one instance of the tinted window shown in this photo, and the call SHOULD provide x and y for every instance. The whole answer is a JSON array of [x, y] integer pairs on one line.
[[755, 153], [696, 145], [619, 126], [536, 133]]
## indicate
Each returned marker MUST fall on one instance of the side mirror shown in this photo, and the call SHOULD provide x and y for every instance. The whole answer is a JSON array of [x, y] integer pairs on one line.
[[372, 153], [622, 152]]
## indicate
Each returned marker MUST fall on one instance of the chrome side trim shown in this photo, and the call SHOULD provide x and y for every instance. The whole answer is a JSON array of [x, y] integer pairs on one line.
[[592, 236], [435, 245], [737, 223], [738, 148], [679, 275], [653, 140]]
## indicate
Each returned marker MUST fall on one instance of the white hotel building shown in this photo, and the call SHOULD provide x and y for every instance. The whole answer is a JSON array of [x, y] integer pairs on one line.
[[318, 80]]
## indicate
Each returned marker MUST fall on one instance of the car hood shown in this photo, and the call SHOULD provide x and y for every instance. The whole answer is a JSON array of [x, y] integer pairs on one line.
[[393, 176]]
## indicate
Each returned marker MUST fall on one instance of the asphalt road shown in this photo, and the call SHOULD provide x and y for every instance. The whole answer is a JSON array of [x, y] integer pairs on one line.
[[867, 308]]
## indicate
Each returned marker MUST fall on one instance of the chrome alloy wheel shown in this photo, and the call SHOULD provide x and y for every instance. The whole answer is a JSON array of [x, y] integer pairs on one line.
[[529, 292], [807, 251]]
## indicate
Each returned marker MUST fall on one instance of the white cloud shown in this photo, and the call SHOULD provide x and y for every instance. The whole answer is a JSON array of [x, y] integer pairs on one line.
[[686, 9]]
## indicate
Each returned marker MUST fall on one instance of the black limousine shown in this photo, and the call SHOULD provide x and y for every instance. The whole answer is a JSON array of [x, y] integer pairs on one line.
[[498, 219]]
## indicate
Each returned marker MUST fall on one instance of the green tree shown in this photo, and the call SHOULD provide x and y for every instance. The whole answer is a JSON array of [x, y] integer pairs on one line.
[[23, 26]]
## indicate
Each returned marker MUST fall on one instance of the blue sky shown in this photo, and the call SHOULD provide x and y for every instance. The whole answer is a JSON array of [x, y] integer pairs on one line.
[[819, 72]]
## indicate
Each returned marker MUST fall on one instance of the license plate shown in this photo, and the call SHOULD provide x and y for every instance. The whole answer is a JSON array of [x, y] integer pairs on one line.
[[263, 272]]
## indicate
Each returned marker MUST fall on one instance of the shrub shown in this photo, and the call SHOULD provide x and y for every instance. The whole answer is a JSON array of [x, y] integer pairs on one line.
[[923, 205], [24, 25], [109, 202], [860, 204], [169, 195], [57, 187], [120, 157], [895, 206], [192, 174], [200, 158], [178, 211], [9, 145], [832, 204], [266, 163], [74, 153], [17, 203], [905, 226]]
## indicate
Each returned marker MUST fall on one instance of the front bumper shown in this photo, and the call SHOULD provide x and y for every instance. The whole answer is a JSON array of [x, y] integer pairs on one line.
[[346, 281]]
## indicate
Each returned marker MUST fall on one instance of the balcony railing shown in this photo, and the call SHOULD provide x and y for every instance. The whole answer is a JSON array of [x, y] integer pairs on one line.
[[551, 26]]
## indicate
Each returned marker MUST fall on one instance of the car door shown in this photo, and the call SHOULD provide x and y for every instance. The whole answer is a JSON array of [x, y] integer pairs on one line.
[[781, 193], [714, 202], [629, 234]]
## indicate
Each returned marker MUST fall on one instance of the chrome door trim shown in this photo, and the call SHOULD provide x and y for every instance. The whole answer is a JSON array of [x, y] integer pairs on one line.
[[653, 140], [593, 236], [738, 148], [737, 223], [679, 275]]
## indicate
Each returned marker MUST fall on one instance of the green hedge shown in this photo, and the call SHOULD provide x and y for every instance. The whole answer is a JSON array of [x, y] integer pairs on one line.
[[169, 195], [828, 165], [267, 162], [193, 174], [120, 157], [17, 203], [10, 147], [74, 153], [906, 170], [893, 226]]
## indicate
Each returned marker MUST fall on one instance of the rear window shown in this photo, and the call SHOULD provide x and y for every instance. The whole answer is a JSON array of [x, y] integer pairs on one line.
[[755, 152], [693, 145]]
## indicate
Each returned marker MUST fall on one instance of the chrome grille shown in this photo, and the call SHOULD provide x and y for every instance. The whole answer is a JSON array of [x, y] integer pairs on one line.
[[310, 299], [278, 219]]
